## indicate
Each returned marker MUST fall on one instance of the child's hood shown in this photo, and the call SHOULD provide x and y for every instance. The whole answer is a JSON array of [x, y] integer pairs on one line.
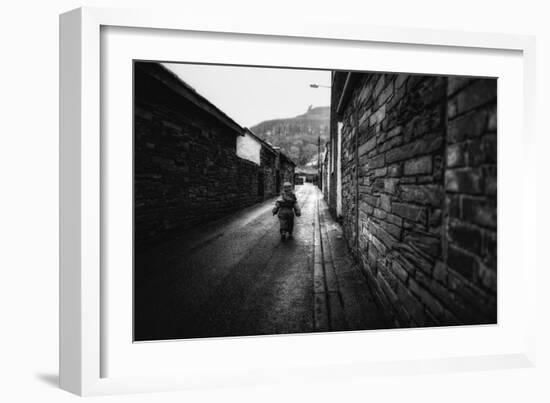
[[288, 196]]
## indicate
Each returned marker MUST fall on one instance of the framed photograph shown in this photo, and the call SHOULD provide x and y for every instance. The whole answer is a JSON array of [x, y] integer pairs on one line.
[[248, 202]]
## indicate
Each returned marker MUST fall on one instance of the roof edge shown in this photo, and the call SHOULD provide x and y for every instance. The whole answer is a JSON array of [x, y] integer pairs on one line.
[[176, 84]]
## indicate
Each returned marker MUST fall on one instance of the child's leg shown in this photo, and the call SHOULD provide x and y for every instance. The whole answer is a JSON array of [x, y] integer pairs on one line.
[[282, 228], [285, 219], [282, 225]]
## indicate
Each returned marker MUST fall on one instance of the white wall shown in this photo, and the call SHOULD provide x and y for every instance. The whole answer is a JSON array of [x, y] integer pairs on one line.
[[249, 148], [29, 202]]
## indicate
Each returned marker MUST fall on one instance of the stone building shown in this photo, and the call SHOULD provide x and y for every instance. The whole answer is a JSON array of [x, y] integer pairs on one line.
[[252, 148], [307, 174], [275, 166], [186, 167], [284, 170], [411, 170]]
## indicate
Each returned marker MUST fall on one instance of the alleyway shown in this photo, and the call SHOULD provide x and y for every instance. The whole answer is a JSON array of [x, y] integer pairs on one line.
[[235, 277]]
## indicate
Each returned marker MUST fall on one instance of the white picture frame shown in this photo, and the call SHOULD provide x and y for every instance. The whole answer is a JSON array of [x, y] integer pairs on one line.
[[83, 349]]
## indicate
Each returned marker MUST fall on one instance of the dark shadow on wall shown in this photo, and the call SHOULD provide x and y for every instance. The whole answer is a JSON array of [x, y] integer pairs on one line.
[[49, 379]]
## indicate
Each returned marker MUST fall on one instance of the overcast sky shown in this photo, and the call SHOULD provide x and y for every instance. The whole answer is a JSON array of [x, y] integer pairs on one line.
[[250, 95]]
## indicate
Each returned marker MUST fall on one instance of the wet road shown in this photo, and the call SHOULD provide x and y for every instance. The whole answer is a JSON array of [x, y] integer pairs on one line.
[[236, 277]]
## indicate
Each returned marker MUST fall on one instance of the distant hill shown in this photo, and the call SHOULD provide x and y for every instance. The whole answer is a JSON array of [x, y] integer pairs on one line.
[[297, 136]]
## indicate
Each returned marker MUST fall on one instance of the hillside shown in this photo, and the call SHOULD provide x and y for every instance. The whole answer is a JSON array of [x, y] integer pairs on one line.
[[297, 136]]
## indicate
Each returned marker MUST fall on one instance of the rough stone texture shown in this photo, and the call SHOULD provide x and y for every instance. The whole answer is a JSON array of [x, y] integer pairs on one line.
[[268, 164], [419, 193], [285, 168], [186, 171], [470, 184]]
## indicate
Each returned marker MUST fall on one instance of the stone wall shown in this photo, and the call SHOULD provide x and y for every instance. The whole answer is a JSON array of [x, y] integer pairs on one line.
[[268, 161], [470, 219], [419, 194], [186, 171], [286, 170]]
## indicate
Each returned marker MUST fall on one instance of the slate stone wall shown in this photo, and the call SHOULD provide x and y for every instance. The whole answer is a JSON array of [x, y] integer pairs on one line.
[[186, 171], [419, 194], [268, 162], [470, 265], [286, 170]]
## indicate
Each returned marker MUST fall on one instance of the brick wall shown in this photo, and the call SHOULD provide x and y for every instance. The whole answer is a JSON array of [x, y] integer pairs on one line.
[[419, 194], [186, 171]]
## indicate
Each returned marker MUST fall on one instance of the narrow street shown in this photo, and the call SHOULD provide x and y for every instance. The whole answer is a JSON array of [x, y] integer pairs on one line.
[[236, 277]]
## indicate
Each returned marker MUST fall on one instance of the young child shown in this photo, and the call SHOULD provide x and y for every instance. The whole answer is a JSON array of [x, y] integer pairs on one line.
[[285, 208]]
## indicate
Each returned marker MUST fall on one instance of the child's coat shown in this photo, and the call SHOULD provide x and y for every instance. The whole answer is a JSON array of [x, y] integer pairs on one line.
[[286, 207]]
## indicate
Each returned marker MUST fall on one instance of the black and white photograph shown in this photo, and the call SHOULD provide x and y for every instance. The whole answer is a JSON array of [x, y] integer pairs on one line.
[[270, 200], [266, 202]]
